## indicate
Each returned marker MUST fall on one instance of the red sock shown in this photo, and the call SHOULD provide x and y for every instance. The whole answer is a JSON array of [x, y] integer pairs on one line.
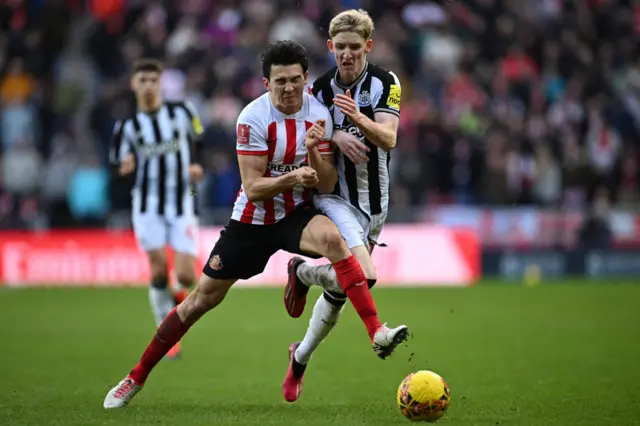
[[168, 334], [354, 284]]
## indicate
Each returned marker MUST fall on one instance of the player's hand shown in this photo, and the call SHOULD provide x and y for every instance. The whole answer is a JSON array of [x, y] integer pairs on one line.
[[196, 172], [347, 105], [128, 165], [351, 146], [306, 176], [314, 134]]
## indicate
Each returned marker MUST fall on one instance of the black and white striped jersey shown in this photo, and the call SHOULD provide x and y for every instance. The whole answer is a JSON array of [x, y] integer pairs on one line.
[[365, 186], [165, 143]]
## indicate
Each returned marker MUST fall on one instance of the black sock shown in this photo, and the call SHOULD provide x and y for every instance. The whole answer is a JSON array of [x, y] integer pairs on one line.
[[298, 369]]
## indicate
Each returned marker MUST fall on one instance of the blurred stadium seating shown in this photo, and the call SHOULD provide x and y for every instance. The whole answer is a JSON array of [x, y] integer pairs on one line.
[[521, 120]]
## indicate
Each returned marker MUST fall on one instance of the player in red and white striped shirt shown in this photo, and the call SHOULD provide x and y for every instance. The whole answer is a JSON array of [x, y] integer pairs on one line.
[[284, 153], [264, 130]]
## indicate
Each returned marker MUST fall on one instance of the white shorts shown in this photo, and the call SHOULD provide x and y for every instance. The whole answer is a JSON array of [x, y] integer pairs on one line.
[[154, 232], [355, 227]]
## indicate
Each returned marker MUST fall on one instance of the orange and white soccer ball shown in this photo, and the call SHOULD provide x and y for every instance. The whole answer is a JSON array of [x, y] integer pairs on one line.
[[423, 396]]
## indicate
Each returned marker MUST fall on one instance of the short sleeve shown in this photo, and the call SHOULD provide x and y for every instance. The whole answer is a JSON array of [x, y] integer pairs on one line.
[[315, 91], [251, 133], [120, 143], [319, 97], [388, 98], [196, 128], [321, 90]]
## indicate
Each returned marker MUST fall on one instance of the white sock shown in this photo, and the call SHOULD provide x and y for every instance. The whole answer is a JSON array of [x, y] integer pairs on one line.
[[323, 319], [322, 275], [162, 303]]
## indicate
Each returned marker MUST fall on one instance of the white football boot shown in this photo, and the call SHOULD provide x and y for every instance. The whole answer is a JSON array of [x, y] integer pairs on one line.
[[122, 393], [386, 339]]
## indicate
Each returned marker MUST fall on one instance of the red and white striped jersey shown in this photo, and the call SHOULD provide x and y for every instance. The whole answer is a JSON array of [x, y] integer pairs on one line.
[[263, 130]]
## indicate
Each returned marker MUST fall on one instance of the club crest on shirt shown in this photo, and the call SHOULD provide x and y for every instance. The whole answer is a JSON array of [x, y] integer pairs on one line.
[[215, 263], [364, 98]]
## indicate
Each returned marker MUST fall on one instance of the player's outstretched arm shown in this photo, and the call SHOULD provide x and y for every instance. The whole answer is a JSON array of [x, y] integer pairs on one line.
[[256, 186]]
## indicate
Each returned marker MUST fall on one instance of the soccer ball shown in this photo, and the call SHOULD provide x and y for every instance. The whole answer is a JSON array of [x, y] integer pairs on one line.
[[423, 396]]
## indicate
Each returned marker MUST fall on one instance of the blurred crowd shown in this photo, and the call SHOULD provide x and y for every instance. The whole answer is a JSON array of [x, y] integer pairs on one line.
[[504, 101]]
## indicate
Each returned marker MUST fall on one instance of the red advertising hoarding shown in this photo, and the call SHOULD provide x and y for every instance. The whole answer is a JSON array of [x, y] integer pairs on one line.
[[416, 255]]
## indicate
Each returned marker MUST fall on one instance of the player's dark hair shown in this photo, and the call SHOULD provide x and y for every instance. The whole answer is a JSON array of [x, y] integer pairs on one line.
[[284, 53], [147, 65]]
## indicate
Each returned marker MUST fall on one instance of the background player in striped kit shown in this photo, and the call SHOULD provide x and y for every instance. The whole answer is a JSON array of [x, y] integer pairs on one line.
[[160, 143], [365, 103], [279, 141]]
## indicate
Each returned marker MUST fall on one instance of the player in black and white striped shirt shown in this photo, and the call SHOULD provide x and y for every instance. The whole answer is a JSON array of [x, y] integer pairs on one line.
[[364, 100], [160, 144]]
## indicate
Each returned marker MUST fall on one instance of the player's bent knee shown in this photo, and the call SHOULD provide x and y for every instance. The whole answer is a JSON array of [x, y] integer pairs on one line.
[[332, 239], [321, 237], [332, 243]]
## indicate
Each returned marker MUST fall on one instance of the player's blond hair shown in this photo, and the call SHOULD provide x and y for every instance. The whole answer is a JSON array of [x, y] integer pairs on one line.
[[356, 21]]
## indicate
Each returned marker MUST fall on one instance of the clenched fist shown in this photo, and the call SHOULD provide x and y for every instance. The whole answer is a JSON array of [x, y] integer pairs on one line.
[[306, 177]]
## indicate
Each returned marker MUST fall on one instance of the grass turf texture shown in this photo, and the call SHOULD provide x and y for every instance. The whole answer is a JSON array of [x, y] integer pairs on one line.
[[551, 355]]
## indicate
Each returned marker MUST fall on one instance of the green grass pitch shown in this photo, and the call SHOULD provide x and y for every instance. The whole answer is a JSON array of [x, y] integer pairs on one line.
[[559, 354]]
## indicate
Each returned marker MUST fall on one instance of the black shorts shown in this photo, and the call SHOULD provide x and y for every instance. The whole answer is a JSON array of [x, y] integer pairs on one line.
[[243, 250]]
